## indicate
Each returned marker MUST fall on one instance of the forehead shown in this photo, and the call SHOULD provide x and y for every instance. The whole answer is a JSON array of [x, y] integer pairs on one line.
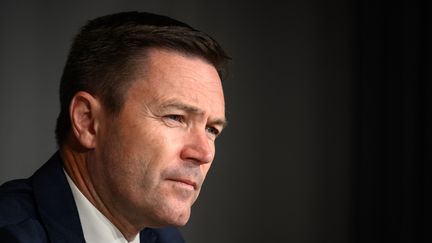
[[170, 75]]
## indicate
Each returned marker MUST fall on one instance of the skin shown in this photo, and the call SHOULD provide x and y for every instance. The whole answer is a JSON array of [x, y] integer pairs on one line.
[[145, 166]]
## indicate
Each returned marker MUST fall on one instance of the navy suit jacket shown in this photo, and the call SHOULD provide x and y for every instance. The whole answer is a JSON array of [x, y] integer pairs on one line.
[[42, 209]]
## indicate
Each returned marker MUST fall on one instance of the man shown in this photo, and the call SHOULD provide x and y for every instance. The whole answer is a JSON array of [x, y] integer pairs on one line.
[[141, 107]]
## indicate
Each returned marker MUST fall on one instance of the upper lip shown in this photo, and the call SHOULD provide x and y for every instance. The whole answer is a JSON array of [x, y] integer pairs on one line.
[[185, 181]]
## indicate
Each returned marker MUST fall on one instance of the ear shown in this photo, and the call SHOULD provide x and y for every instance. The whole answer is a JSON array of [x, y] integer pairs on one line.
[[84, 112]]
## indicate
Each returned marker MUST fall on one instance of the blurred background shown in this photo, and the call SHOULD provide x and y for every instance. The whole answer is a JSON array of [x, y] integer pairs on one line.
[[328, 102]]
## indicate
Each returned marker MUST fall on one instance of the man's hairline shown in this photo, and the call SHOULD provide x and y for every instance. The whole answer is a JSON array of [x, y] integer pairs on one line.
[[140, 62]]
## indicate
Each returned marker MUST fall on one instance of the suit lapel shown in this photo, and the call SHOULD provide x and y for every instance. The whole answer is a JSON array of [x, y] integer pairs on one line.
[[147, 236], [162, 235], [55, 203]]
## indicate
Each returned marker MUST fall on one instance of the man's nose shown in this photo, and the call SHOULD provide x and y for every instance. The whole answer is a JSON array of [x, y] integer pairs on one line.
[[198, 147]]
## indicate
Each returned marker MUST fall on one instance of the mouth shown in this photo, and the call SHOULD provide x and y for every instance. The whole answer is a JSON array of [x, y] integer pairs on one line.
[[185, 182]]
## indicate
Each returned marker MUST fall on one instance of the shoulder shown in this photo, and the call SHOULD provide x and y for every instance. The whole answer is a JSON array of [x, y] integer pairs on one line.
[[16, 202], [29, 230], [18, 219]]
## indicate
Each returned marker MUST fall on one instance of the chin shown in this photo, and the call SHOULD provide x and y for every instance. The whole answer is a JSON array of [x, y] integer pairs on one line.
[[183, 221], [179, 219], [172, 216]]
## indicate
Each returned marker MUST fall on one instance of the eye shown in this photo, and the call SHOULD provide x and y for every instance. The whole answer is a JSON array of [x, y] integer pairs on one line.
[[174, 117], [212, 130]]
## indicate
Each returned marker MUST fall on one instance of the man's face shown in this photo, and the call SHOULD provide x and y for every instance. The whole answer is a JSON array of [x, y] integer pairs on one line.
[[151, 160]]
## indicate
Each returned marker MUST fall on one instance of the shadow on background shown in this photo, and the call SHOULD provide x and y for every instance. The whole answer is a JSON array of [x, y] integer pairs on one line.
[[328, 104]]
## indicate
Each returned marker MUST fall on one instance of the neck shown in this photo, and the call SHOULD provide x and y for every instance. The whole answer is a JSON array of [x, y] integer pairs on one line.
[[75, 164]]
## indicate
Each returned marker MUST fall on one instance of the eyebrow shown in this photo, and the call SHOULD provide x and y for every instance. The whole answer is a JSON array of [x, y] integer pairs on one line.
[[195, 110]]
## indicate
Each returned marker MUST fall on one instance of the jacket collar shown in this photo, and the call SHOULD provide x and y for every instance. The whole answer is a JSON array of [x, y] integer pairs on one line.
[[55, 202]]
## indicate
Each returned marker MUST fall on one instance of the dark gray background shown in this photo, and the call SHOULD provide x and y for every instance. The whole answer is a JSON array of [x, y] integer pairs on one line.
[[283, 168]]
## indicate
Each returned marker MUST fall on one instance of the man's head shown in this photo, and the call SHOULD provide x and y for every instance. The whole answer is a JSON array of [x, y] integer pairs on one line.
[[142, 103], [104, 57]]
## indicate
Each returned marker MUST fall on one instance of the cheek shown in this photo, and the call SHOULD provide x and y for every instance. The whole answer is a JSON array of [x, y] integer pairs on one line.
[[141, 152], [151, 152]]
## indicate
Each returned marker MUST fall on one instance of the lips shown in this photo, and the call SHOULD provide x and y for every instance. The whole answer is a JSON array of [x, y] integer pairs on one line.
[[185, 181]]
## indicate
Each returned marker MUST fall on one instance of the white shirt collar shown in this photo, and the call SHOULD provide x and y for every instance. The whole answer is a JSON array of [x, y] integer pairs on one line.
[[96, 227]]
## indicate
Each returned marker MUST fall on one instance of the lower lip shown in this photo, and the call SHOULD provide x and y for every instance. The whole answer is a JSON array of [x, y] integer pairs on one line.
[[184, 185]]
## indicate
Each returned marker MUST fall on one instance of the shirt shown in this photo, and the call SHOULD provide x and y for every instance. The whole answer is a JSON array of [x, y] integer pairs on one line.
[[96, 227]]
